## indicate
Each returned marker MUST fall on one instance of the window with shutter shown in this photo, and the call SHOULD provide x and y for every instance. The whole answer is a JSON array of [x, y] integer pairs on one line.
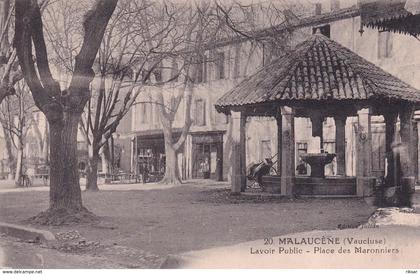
[[220, 65]]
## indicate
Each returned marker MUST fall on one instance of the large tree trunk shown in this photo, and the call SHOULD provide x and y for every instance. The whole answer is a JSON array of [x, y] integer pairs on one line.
[[65, 193], [92, 172], [62, 109], [171, 168]]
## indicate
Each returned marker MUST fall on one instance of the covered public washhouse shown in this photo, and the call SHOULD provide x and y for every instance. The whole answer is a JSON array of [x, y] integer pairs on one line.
[[322, 80]]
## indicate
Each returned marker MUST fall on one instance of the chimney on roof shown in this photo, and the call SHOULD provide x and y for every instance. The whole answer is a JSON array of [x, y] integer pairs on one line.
[[318, 8]]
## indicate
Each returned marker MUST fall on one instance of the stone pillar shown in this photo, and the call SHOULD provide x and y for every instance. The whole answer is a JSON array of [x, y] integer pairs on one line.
[[279, 141], [237, 175], [364, 181], [340, 144], [406, 114], [288, 151], [242, 144], [390, 120]]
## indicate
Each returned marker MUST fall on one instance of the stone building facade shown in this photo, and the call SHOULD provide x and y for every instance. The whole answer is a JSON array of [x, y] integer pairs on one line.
[[210, 135]]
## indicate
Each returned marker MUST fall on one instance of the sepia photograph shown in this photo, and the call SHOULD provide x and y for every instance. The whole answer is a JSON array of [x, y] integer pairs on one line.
[[209, 134]]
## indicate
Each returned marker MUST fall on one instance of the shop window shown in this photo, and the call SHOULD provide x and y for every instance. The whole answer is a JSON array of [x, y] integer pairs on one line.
[[384, 44], [200, 112]]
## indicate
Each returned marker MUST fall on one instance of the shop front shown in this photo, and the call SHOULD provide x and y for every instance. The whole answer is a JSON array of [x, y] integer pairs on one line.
[[149, 155], [207, 155]]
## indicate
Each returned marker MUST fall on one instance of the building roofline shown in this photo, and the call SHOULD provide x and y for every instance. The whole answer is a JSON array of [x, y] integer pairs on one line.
[[313, 20]]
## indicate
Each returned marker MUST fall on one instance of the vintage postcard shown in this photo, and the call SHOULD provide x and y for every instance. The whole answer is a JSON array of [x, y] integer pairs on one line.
[[222, 134]]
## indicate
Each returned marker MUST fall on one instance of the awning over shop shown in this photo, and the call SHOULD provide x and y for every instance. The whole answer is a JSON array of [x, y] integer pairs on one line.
[[153, 133]]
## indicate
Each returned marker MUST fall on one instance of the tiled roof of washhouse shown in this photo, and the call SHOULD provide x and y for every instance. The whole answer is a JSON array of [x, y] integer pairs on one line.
[[318, 69]]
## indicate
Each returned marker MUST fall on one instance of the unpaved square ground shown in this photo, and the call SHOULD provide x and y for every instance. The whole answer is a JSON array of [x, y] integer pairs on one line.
[[193, 216]]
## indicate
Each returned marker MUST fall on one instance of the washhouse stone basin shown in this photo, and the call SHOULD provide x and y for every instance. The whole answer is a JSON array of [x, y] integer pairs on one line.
[[317, 161]]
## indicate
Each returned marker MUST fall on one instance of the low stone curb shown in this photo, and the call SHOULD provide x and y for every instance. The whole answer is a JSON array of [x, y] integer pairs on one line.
[[27, 233]]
